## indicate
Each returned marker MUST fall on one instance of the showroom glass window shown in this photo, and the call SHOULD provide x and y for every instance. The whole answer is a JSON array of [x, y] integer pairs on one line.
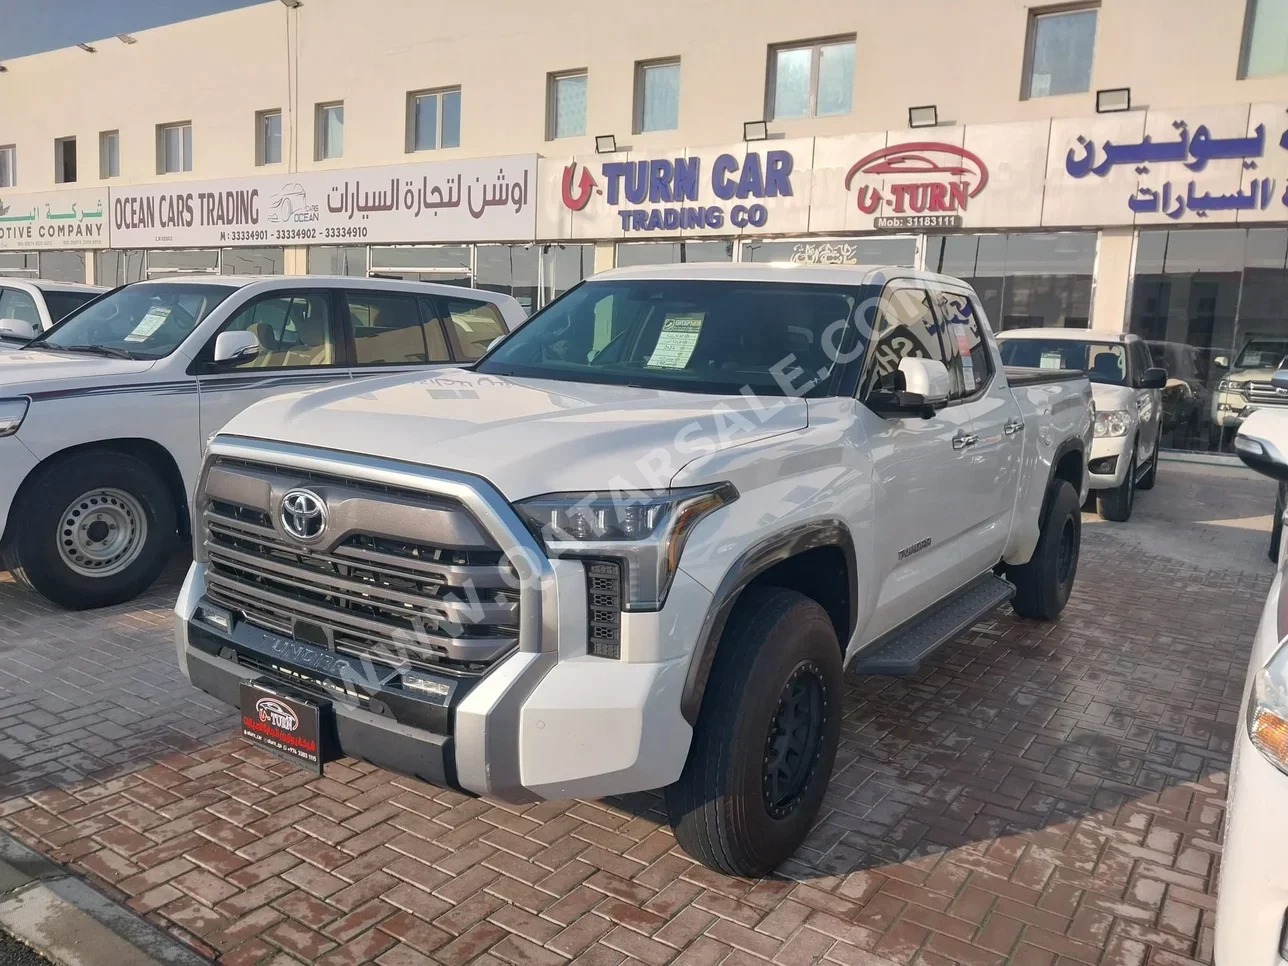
[[1215, 303], [509, 269], [895, 250], [566, 105], [562, 267], [63, 266], [672, 253], [1061, 46], [811, 80], [1024, 279], [657, 96], [1265, 42], [337, 260]]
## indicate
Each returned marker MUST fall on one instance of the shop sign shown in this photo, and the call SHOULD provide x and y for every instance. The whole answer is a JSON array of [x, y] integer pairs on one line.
[[54, 220], [483, 199], [1193, 151], [724, 194], [916, 185]]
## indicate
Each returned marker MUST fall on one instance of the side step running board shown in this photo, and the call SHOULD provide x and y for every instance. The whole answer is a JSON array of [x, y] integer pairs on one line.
[[903, 649]]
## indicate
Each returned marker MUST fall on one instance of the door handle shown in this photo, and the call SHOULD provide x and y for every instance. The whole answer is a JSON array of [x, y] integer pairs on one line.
[[1013, 426], [962, 440]]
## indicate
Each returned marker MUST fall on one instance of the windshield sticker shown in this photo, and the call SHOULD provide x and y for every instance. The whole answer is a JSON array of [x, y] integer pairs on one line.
[[675, 344], [1252, 360], [1051, 360], [149, 323]]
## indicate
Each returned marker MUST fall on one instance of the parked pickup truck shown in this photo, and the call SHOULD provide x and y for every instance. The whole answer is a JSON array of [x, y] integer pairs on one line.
[[103, 418], [1128, 392], [30, 306], [635, 545]]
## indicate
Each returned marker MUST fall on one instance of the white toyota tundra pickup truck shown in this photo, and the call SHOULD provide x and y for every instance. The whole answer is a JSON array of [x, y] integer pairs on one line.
[[635, 545], [103, 417]]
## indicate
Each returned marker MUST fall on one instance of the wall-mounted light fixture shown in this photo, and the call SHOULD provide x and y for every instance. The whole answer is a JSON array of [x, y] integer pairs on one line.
[[925, 116], [1112, 100], [605, 143], [755, 130]]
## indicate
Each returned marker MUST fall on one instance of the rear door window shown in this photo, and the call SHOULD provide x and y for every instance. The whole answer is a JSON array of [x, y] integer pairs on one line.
[[472, 325], [15, 304], [969, 365], [293, 328], [391, 329]]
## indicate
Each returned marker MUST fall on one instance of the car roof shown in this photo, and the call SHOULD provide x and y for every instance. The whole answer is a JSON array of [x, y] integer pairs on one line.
[[1081, 335], [774, 272], [50, 285], [270, 282]]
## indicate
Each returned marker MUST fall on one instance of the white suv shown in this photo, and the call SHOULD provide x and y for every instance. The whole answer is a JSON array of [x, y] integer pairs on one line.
[[30, 306], [103, 418]]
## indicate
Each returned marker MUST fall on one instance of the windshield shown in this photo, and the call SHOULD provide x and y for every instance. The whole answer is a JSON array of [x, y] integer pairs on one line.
[[61, 304], [147, 320], [687, 335], [1103, 362], [1262, 354]]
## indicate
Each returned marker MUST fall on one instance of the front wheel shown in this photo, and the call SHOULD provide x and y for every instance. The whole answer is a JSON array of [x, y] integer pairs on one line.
[[1043, 585], [765, 739], [1116, 504], [93, 529]]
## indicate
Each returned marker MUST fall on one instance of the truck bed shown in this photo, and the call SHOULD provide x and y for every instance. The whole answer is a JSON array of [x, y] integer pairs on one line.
[[1028, 376]]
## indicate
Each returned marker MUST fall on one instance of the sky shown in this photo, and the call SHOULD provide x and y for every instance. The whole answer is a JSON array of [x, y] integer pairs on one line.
[[30, 26]]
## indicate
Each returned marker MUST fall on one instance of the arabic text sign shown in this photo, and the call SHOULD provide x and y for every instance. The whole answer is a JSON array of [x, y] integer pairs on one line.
[[481, 199], [53, 220]]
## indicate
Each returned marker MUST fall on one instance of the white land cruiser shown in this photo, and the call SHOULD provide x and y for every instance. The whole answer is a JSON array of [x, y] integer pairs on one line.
[[1128, 391], [30, 306], [103, 417], [635, 545]]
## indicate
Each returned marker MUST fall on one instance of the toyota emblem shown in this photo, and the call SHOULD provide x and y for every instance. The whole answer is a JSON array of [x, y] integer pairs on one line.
[[303, 515], [1280, 391]]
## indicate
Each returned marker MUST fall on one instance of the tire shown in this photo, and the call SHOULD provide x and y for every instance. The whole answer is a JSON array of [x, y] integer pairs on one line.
[[1147, 481], [1043, 585], [1277, 526], [1116, 504], [778, 647], [131, 508]]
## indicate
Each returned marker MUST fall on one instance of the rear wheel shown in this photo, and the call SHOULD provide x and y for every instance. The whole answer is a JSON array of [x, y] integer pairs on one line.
[[1043, 585], [92, 529], [1116, 504], [765, 739]]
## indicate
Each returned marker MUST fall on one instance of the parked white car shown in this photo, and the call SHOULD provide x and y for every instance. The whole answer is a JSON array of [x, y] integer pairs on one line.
[[29, 307], [1252, 908], [635, 545], [1128, 389], [1246, 387], [103, 418]]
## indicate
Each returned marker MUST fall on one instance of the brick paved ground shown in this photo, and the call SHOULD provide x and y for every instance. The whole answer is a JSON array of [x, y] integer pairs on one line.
[[1039, 794]]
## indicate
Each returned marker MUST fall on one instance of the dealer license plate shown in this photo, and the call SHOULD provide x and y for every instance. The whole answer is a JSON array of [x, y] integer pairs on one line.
[[286, 726]]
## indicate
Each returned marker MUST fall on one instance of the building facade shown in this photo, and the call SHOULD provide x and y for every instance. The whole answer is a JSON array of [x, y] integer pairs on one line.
[[1120, 166]]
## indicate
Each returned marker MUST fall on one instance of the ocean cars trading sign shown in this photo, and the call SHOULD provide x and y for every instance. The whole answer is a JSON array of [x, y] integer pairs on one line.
[[481, 199]]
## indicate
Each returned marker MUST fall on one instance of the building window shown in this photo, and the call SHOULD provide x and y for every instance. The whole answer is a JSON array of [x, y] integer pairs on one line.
[[1060, 49], [329, 123], [268, 137], [64, 160], [174, 147], [811, 80], [657, 96], [337, 260], [8, 166], [566, 105], [1265, 40], [109, 154], [434, 119]]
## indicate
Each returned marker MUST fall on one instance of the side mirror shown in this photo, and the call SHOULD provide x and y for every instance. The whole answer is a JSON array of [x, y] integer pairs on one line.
[[17, 329], [1221, 362], [927, 378], [1154, 378], [234, 348], [919, 387]]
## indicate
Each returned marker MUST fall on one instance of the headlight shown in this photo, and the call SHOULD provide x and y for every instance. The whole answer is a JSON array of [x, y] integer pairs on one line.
[[1113, 422], [1268, 710], [645, 532], [1229, 385], [12, 413]]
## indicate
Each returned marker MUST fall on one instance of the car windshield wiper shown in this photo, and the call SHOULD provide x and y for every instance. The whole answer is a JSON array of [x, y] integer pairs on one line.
[[110, 351]]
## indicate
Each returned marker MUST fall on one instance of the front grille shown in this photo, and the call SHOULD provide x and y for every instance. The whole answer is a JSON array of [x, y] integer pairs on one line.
[[604, 604], [1265, 394], [394, 599]]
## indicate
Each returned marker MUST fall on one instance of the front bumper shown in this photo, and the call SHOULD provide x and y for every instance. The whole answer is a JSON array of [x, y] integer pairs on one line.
[[16, 463], [1116, 448]]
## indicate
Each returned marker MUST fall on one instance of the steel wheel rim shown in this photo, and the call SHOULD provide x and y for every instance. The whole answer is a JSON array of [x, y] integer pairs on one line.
[[102, 532], [794, 743]]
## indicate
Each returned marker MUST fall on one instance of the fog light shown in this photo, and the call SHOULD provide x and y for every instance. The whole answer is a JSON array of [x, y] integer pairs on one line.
[[1105, 465], [218, 619]]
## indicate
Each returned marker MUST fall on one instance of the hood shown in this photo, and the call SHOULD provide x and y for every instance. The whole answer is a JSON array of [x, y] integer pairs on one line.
[[1113, 397], [526, 436], [1257, 374], [26, 372]]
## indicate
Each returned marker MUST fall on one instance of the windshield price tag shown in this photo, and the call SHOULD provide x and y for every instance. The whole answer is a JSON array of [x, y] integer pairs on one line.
[[154, 319], [676, 342], [1051, 360]]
